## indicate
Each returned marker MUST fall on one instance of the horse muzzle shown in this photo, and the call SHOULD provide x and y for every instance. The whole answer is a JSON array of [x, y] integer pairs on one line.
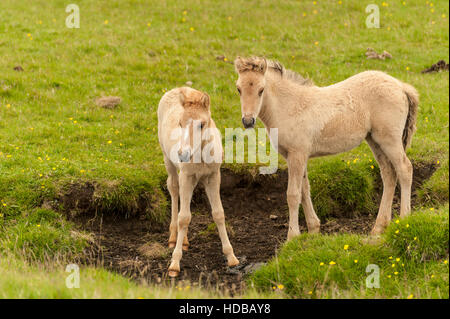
[[248, 121], [184, 156]]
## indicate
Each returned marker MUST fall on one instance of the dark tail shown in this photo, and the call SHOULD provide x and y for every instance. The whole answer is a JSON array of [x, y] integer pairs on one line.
[[413, 102]]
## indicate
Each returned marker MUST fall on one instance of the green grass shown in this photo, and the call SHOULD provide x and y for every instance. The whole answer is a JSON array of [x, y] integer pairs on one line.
[[22, 281], [412, 257], [53, 136]]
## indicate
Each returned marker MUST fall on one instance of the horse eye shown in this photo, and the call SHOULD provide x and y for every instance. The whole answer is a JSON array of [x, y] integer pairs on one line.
[[202, 125], [239, 90], [261, 92]]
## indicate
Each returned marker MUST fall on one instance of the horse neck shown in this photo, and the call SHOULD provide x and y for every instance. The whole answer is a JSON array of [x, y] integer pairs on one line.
[[278, 98], [271, 100]]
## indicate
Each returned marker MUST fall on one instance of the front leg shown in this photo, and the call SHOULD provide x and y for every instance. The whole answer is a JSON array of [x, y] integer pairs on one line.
[[212, 188], [173, 187], [187, 185], [296, 170]]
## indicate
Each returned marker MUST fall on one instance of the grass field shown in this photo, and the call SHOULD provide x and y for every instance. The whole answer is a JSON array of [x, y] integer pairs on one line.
[[53, 136]]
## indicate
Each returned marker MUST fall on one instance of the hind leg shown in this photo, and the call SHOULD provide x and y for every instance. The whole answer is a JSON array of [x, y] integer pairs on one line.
[[389, 182], [312, 220], [393, 148]]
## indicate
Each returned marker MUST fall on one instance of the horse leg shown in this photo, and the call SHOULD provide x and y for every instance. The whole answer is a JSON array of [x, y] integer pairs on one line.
[[212, 188], [173, 187], [389, 182], [312, 220], [393, 148], [296, 169], [187, 185]]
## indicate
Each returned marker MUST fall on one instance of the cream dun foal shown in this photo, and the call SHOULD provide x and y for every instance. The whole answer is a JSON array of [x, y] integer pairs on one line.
[[192, 146], [316, 121]]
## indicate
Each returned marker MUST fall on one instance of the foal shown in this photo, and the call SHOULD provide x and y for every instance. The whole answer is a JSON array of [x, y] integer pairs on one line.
[[316, 121], [191, 144]]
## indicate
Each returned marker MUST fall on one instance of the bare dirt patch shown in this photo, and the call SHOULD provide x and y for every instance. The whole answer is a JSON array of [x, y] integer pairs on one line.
[[136, 248]]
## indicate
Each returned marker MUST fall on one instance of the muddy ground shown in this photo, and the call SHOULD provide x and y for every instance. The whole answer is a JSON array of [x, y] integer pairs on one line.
[[135, 248]]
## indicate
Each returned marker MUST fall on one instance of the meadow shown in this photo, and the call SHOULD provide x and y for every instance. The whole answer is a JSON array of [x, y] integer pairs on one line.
[[56, 143]]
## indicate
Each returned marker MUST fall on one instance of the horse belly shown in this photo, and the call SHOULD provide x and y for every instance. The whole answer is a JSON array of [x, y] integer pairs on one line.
[[340, 135]]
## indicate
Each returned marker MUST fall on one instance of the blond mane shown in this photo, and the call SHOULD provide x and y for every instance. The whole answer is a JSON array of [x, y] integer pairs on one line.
[[258, 64]]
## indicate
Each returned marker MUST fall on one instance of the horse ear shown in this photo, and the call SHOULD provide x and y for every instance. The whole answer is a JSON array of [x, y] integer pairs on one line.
[[182, 96], [264, 66], [238, 64], [205, 101]]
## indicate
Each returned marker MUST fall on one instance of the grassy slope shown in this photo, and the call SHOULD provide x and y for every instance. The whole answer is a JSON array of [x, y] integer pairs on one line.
[[52, 134], [412, 257]]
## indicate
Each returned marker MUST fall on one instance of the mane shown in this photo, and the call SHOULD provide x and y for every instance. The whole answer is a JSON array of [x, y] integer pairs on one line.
[[258, 64]]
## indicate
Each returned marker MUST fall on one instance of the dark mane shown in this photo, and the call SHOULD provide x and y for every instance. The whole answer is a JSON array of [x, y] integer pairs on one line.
[[288, 74], [258, 64]]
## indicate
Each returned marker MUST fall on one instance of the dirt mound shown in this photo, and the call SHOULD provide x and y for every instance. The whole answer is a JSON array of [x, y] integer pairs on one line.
[[137, 248], [441, 65]]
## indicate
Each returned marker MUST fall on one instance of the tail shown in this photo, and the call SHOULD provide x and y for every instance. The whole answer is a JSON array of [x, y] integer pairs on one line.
[[413, 102]]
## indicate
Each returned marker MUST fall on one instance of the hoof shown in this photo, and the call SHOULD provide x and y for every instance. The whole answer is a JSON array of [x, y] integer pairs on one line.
[[315, 230], [172, 244], [233, 262], [372, 240], [377, 231], [185, 247], [290, 237], [173, 273]]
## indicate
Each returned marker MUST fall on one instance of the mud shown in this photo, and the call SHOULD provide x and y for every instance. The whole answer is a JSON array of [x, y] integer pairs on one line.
[[136, 248]]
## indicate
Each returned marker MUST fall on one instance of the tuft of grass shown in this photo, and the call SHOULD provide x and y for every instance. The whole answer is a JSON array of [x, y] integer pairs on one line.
[[436, 189], [353, 192], [41, 235], [422, 236]]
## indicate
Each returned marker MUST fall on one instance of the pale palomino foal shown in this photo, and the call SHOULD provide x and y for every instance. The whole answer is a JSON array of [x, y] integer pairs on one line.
[[185, 130], [316, 121]]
